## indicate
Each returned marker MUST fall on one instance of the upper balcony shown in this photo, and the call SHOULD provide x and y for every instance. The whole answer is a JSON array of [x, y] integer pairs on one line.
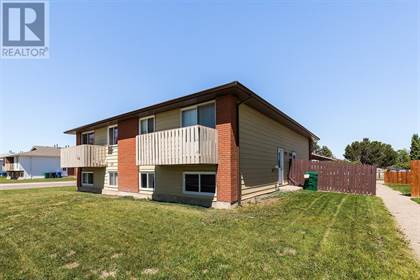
[[11, 167], [84, 156], [188, 145]]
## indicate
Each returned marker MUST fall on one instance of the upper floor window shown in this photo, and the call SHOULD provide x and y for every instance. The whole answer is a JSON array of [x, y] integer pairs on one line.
[[113, 135], [88, 138], [147, 125], [201, 114]]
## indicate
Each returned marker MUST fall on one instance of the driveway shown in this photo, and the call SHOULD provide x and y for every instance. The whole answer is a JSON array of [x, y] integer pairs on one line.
[[21, 186], [405, 211]]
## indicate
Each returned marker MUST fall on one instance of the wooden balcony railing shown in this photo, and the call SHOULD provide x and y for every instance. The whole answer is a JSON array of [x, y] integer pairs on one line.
[[188, 145], [84, 156]]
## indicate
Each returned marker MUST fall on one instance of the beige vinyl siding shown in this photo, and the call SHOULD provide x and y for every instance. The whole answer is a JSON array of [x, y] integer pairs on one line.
[[101, 136], [169, 179], [259, 138], [98, 176], [168, 120], [111, 163]]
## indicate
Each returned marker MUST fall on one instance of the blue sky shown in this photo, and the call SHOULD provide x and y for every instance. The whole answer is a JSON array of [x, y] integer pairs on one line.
[[344, 69]]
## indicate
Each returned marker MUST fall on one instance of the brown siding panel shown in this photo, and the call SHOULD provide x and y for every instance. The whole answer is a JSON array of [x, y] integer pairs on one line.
[[259, 137]]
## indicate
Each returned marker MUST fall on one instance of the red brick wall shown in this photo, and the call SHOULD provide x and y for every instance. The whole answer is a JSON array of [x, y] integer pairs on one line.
[[228, 150], [128, 175], [78, 171]]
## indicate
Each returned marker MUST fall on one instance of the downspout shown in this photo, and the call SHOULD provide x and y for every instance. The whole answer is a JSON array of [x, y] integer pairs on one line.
[[237, 142]]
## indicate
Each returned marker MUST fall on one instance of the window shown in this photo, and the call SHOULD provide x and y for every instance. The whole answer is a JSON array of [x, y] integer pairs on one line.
[[88, 138], [87, 178], [112, 135], [147, 180], [189, 117], [147, 125], [113, 178], [204, 183], [202, 114]]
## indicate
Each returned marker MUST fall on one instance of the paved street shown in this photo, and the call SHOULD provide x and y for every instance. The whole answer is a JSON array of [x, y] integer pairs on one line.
[[19, 186]]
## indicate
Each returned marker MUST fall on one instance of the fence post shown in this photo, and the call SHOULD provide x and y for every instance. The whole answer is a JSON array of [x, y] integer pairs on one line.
[[415, 178]]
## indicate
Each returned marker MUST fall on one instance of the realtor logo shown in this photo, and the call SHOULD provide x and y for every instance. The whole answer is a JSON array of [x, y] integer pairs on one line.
[[24, 29]]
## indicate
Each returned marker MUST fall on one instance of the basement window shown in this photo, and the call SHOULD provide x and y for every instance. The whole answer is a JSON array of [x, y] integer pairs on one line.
[[87, 178], [147, 181], [200, 183]]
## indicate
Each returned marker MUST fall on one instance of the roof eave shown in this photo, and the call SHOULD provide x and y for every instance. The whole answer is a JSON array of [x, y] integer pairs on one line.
[[215, 90]]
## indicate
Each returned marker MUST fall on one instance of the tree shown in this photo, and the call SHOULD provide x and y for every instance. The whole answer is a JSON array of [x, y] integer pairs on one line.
[[323, 151], [403, 159], [415, 147], [371, 152]]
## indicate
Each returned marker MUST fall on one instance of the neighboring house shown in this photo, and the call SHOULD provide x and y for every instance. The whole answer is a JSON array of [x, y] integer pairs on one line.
[[1, 165], [216, 148], [32, 164], [317, 157]]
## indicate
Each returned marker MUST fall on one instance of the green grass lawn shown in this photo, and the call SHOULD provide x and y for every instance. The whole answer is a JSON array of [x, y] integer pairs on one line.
[[3, 180], [59, 233], [416, 200], [402, 188]]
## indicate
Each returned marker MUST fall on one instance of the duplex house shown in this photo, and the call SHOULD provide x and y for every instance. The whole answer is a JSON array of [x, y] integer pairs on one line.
[[1, 165], [33, 163], [217, 147]]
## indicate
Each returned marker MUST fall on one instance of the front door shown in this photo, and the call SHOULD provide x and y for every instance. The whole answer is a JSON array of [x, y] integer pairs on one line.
[[280, 165]]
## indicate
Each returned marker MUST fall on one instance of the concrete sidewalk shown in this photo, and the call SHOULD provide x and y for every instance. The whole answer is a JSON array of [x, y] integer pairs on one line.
[[406, 213], [38, 185]]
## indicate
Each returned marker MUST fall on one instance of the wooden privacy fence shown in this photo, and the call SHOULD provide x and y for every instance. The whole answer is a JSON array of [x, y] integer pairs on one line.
[[415, 175], [336, 176], [397, 177]]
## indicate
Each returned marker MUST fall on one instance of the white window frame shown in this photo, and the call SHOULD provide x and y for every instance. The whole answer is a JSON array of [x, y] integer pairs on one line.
[[93, 179], [147, 188], [146, 118], [107, 135], [199, 182], [87, 132], [109, 178], [195, 107]]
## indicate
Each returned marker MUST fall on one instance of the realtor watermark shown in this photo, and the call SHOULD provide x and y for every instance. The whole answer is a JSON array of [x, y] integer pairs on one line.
[[24, 29]]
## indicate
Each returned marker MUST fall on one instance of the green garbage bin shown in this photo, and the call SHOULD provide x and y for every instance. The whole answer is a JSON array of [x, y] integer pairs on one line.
[[311, 181]]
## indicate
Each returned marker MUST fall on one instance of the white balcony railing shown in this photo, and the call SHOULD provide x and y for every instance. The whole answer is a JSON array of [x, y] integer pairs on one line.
[[188, 145], [84, 156]]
